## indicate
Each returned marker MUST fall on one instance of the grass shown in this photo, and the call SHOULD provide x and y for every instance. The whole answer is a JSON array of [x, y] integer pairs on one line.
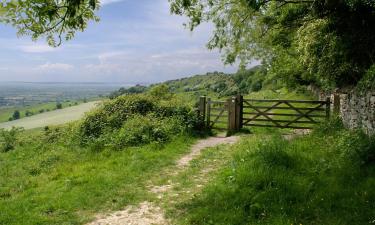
[[55, 117], [323, 178], [57, 184]]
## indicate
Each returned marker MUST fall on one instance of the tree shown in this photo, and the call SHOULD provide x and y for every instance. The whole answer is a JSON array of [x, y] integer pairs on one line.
[[327, 42], [58, 105], [16, 115], [54, 19]]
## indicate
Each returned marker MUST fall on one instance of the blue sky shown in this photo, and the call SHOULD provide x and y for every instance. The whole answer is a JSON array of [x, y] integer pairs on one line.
[[135, 41]]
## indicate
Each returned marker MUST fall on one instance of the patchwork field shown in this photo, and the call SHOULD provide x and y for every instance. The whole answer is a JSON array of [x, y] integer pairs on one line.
[[55, 117]]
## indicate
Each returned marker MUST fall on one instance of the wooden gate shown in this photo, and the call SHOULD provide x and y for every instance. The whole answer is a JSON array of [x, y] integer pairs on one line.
[[237, 112], [296, 114], [217, 114]]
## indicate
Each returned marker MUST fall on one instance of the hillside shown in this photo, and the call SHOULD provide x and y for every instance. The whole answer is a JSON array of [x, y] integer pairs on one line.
[[216, 84], [139, 155]]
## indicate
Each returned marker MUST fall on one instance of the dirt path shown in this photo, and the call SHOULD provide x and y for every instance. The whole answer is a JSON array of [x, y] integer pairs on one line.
[[151, 213]]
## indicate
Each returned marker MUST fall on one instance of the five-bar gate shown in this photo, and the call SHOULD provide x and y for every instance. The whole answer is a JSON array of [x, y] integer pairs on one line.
[[237, 112]]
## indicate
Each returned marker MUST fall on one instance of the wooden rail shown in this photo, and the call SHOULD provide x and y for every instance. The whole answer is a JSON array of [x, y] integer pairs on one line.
[[237, 112]]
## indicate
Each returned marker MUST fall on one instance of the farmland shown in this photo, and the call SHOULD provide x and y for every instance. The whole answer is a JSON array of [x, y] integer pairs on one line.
[[55, 117]]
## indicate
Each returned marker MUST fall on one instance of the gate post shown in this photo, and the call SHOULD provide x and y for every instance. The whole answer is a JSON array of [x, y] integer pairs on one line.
[[239, 112], [328, 107], [208, 122], [232, 114], [336, 104], [202, 108]]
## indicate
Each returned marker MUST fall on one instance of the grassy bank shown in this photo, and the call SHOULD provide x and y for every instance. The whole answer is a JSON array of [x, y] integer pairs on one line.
[[327, 177], [56, 184]]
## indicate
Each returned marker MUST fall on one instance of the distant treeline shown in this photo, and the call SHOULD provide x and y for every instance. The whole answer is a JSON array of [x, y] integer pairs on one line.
[[242, 82]]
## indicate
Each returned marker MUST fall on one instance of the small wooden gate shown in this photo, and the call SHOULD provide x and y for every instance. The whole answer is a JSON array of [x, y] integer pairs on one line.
[[238, 112], [217, 114]]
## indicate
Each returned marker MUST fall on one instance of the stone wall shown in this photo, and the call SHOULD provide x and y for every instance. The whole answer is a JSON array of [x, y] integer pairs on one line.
[[356, 110]]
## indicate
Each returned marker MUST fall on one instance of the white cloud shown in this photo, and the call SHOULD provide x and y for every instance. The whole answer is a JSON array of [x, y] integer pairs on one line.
[[144, 67], [37, 48], [55, 67], [106, 2]]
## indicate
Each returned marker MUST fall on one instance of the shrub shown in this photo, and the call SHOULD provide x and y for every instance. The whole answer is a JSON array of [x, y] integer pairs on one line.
[[16, 115], [28, 113], [58, 105], [8, 139], [160, 92], [140, 130], [112, 114]]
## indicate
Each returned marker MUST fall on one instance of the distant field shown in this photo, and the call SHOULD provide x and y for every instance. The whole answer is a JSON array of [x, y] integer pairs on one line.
[[55, 117], [6, 113]]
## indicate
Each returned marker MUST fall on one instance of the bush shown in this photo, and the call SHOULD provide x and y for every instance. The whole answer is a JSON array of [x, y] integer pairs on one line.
[[16, 115], [112, 114], [139, 119], [8, 139], [146, 129], [28, 113], [160, 92], [58, 105]]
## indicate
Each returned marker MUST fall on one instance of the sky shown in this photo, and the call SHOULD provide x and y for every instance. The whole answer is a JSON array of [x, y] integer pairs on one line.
[[134, 42]]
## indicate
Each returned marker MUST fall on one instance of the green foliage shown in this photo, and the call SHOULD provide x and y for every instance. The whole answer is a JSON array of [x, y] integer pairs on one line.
[[9, 139], [58, 105], [112, 114], [16, 115], [324, 178], [328, 43], [29, 113], [56, 20], [137, 118], [137, 89], [368, 81], [140, 130], [160, 92]]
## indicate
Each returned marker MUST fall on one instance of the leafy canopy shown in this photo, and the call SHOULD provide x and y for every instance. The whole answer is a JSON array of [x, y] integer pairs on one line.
[[55, 19], [326, 42]]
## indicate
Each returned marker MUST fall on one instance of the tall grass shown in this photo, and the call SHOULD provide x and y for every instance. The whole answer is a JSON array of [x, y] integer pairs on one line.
[[327, 177]]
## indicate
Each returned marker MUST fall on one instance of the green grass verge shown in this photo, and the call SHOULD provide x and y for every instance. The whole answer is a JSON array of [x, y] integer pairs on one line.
[[55, 184], [327, 177]]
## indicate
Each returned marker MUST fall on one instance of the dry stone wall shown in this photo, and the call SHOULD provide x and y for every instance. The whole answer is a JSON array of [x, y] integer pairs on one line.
[[357, 110]]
